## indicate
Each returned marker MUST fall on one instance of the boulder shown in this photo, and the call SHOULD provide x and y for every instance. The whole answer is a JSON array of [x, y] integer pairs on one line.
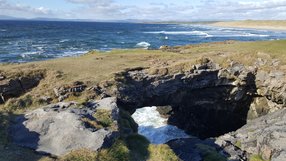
[[60, 128]]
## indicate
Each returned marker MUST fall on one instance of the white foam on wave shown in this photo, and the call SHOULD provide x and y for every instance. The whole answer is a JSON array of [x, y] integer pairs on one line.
[[64, 40], [3, 30], [143, 44], [154, 127], [178, 32], [73, 53], [29, 54]]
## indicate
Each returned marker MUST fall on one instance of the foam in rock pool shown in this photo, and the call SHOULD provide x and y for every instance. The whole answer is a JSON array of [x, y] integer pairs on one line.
[[154, 127]]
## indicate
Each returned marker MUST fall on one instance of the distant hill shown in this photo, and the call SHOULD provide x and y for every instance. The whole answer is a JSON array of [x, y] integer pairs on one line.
[[4, 17]]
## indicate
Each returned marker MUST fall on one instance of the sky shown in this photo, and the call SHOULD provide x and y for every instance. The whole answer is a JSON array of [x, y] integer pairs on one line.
[[158, 10]]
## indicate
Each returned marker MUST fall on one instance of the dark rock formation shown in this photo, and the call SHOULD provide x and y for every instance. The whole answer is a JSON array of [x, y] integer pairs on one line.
[[10, 88], [207, 100]]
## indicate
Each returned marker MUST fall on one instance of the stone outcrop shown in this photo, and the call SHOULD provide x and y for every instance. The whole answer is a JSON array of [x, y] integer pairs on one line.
[[265, 136], [10, 88], [271, 93], [59, 128], [212, 100]]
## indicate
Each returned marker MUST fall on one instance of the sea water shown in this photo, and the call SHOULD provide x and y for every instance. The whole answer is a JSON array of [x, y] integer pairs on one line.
[[154, 127], [24, 41]]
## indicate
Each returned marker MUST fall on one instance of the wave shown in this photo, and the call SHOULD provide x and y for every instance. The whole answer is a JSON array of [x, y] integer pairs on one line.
[[64, 40], [73, 53], [143, 44], [154, 127], [29, 54], [178, 32], [3, 30]]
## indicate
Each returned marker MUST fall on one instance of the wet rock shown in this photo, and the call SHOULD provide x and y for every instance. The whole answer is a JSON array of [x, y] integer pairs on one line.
[[58, 129]]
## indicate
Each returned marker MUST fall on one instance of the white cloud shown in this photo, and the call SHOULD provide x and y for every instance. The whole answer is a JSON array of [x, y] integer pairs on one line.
[[111, 9], [23, 10]]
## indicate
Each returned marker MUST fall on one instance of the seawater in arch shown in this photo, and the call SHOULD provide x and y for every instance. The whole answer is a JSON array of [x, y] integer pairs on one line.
[[155, 127]]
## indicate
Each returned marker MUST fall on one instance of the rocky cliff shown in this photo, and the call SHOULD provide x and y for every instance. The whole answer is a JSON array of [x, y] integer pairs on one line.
[[234, 111]]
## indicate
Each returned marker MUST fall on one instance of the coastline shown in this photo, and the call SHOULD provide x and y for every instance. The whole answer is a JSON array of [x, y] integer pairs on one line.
[[279, 25]]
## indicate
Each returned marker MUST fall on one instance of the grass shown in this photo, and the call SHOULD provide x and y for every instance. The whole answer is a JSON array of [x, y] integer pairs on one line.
[[256, 157], [103, 117], [133, 148], [238, 144]]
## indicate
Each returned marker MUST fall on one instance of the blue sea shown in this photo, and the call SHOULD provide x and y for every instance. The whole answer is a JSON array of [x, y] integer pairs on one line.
[[24, 41]]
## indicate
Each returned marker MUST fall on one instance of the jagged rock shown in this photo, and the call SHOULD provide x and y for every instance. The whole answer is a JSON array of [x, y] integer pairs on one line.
[[10, 88], [265, 136], [57, 129]]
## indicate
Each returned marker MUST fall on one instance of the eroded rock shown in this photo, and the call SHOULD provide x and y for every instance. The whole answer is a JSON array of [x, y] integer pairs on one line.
[[265, 136], [10, 88], [57, 129]]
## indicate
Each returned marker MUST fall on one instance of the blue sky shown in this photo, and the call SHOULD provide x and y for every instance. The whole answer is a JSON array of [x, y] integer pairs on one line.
[[146, 9]]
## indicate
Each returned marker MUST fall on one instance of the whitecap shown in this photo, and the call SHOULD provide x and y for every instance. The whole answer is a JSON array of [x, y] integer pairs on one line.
[[199, 33], [3, 30], [64, 40], [28, 54], [143, 44], [73, 53], [154, 127]]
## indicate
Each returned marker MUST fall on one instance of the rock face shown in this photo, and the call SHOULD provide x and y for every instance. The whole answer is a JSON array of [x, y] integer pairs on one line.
[[271, 93], [10, 88], [206, 101], [265, 136], [57, 129]]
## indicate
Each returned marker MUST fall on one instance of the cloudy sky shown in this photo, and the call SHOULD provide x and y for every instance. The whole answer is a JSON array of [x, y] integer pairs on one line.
[[185, 10]]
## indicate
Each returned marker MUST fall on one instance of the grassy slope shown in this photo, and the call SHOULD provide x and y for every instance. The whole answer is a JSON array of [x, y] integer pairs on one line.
[[96, 67], [263, 24]]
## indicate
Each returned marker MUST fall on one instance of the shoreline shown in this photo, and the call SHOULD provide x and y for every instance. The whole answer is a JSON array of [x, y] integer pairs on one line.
[[258, 25]]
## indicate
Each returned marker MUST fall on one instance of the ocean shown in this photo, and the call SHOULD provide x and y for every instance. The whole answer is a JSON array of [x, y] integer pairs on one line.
[[25, 41]]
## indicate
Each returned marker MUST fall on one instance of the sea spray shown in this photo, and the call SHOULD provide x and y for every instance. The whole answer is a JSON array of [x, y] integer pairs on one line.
[[154, 127]]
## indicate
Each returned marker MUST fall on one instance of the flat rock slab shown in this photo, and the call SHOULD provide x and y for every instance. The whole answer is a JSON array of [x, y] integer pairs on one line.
[[58, 129]]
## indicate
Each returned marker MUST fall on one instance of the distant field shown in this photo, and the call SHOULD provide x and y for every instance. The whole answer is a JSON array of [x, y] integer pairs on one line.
[[265, 24]]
